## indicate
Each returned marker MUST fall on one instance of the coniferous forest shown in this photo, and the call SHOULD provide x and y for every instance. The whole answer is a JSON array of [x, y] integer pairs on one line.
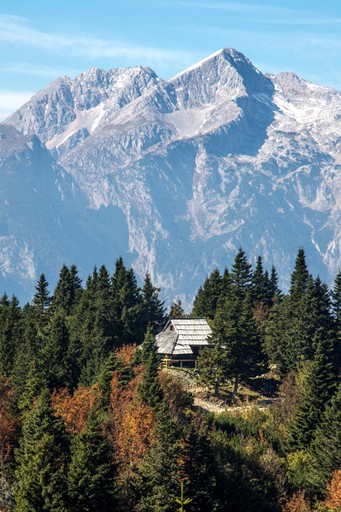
[[89, 421]]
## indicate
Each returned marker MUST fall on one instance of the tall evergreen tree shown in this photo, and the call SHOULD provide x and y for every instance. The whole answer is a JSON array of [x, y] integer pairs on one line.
[[259, 283], [299, 277], [62, 297], [11, 332], [41, 298], [235, 333], [319, 387], [206, 300], [90, 476], [273, 289], [153, 307], [149, 389], [158, 475], [127, 305], [325, 447], [41, 461], [241, 275], [54, 352], [197, 466], [34, 384], [28, 350]]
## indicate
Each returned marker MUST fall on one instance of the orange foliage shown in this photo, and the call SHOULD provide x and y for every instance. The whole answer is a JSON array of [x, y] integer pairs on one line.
[[333, 500], [75, 409], [130, 422], [298, 503], [8, 425], [126, 354]]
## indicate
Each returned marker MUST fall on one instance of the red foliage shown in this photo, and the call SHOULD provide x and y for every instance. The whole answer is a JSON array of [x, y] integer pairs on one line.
[[126, 354], [298, 503], [333, 500], [75, 409], [130, 422]]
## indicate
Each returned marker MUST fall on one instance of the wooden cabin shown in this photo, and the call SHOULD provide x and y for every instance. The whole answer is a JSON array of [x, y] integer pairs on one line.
[[181, 340]]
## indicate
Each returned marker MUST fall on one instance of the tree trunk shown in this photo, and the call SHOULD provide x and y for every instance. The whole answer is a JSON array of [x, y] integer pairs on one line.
[[235, 387], [216, 387]]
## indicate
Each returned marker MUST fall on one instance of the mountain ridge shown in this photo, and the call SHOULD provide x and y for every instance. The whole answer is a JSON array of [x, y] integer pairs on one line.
[[219, 156]]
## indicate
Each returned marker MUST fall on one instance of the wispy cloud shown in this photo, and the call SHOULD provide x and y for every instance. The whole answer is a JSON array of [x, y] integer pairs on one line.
[[231, 6], [11, 101], [25, 68], [18, 30], [270, 13]]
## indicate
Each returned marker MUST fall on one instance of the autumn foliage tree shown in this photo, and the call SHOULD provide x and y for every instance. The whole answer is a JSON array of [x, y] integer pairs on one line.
[[76, 409]]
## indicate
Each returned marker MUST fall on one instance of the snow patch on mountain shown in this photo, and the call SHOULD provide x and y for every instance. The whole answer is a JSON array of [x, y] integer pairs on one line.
[[177, 174]]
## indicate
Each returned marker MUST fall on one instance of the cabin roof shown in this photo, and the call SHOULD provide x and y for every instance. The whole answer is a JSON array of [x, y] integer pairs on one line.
[[180, 334]]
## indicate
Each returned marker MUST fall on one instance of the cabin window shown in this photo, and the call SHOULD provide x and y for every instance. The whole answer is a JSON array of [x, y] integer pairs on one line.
[[171, 327]]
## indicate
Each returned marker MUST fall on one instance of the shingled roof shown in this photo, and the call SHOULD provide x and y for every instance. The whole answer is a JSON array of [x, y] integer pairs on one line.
[[180, 334]]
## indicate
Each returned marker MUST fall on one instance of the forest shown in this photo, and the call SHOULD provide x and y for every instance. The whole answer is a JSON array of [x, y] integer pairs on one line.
[[90, 422]]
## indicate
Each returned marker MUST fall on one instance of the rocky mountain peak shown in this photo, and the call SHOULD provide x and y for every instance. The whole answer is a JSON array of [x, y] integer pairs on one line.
[[175, 175]]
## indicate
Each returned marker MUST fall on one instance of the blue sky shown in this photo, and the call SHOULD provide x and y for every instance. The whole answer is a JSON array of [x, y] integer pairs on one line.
[[40, 40]]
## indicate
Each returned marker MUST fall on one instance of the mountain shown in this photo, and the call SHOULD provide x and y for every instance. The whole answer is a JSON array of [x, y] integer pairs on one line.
[[176, 174]]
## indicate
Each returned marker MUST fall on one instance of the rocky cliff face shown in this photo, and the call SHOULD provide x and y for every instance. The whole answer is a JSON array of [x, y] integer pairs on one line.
[[176, 175]]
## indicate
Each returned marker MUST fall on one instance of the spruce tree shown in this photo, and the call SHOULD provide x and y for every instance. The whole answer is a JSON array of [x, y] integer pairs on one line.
[[41, 461], [206, 300], [325, 448], [241, 275], [41, 299], [158, 475], [197, 469], [34, 384], [54, 352], [236, 338], [11, 332], [299, 277], [90, 475], [28, 350], [62, 297], [127, 305], [153, 307], [259, 283], [319, 386], [149, 389]]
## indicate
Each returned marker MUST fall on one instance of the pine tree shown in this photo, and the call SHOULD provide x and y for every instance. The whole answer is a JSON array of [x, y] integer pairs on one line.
[[325, 447], [158, 475], [273, 289], [241, 275], [259, 283], [299, 277], [28, 350], [149, 389], [319, 386], [34, 384], [206, 300], [10, 333], [54, 352], [235, 334], [62, 297], [197, 466], [91, 471], [127, 306], [41, 461], [41, 299], [153, 307]]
